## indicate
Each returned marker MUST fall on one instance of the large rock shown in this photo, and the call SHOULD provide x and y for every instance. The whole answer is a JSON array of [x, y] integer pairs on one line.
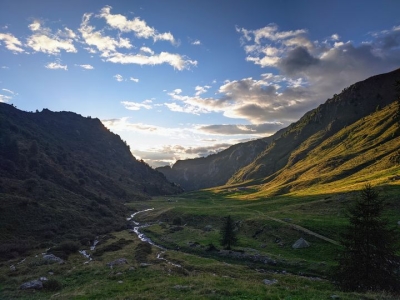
[[119, 261], [52, 258], [301, 243], [32, 285]]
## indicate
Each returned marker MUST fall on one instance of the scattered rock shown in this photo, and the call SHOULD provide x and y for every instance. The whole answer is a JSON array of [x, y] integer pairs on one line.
[[144, 265], [51, 273], [120, 281], [13, 268], [208, 228], [270, 282], [119, 261], [263, 246], [32, 285], [194, 244], [182, 287], [301, 243], [43, 279], [53, 259], [131, 269], [335, 297]]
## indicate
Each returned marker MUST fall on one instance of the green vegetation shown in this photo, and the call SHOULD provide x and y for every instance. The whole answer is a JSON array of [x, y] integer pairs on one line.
[[228, 235], [263, 265], [368, 261]]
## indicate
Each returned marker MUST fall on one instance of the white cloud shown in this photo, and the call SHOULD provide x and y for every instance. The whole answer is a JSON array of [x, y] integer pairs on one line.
[[56, 66], [196, 42], [259, 129], [7, 98], [113, 49], [146, 50], [136, 106], [43, 40], [4, 98], [103, 43], [138, 26], [35, 26], [9, 91], [201, 89], [118, 77], [134, 79], [86, 67], [11, 42], [175, 60]]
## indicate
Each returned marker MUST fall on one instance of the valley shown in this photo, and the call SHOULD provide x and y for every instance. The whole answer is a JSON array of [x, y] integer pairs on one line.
[[67, 184]]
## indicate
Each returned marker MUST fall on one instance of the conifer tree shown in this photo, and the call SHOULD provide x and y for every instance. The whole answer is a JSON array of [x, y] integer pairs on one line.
[[368, 261], [228, 234]]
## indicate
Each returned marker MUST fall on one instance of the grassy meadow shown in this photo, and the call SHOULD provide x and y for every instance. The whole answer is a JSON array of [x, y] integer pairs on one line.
[[194, 265]]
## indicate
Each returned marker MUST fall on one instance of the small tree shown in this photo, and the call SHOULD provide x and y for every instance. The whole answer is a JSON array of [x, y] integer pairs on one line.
[[368, 260], [228, 234]]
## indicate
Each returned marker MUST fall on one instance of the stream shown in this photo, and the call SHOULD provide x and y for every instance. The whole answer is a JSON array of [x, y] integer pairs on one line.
[[146, 239], [136, 229]]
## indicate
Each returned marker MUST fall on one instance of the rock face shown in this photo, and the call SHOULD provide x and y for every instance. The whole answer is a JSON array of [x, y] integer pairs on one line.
[[301, 243], [32, 285]]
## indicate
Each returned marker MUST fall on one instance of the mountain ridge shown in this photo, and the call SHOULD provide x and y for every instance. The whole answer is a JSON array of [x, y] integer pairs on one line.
[[354, 102], [66, 175]]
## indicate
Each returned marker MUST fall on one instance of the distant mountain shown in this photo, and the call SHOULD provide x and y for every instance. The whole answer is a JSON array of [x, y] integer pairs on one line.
[[65, 175], [215, 169], [270, 157]]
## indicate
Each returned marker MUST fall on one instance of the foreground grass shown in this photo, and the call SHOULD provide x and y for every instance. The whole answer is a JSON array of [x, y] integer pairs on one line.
[[267, 228]]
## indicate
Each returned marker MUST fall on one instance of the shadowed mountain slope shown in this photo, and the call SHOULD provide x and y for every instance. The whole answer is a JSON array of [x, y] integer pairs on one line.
[[215, 169], [63, 174]]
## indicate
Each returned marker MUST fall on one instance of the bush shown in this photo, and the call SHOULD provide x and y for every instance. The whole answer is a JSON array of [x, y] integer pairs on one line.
[[142, 250], [52, 285], [177, 221]]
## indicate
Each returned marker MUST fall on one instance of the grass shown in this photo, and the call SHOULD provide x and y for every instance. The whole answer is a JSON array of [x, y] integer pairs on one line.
[[267, 228]]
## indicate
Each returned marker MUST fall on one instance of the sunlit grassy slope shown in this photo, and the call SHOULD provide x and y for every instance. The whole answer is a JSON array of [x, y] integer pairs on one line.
[[365, 151]]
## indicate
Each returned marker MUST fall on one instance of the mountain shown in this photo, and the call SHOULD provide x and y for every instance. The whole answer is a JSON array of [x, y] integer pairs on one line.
[[293, 144], [63, 175], [215, 169]]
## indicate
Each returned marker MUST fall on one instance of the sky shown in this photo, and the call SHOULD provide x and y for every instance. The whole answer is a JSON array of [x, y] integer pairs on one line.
[[182, 79]]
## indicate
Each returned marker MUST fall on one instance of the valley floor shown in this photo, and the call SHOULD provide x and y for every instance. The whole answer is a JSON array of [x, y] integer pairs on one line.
[[263, 264]]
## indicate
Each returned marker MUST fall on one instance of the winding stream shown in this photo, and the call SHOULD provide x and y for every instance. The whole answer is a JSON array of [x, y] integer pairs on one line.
[[136, 229], [146, 239]]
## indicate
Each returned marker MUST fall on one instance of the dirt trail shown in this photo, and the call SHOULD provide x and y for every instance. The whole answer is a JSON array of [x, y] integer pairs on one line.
[[305, 230]]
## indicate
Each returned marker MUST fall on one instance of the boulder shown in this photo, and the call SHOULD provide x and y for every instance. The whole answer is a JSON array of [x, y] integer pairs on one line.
[[32, 285], [119, 261], [52, 258], [301, 243], [207, 228], [270, 282]]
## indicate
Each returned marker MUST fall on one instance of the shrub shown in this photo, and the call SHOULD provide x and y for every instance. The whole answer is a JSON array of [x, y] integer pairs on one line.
[[52, 285]]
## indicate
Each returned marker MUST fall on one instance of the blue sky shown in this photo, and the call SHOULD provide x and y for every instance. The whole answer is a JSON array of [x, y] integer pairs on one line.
[[181, 79]]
